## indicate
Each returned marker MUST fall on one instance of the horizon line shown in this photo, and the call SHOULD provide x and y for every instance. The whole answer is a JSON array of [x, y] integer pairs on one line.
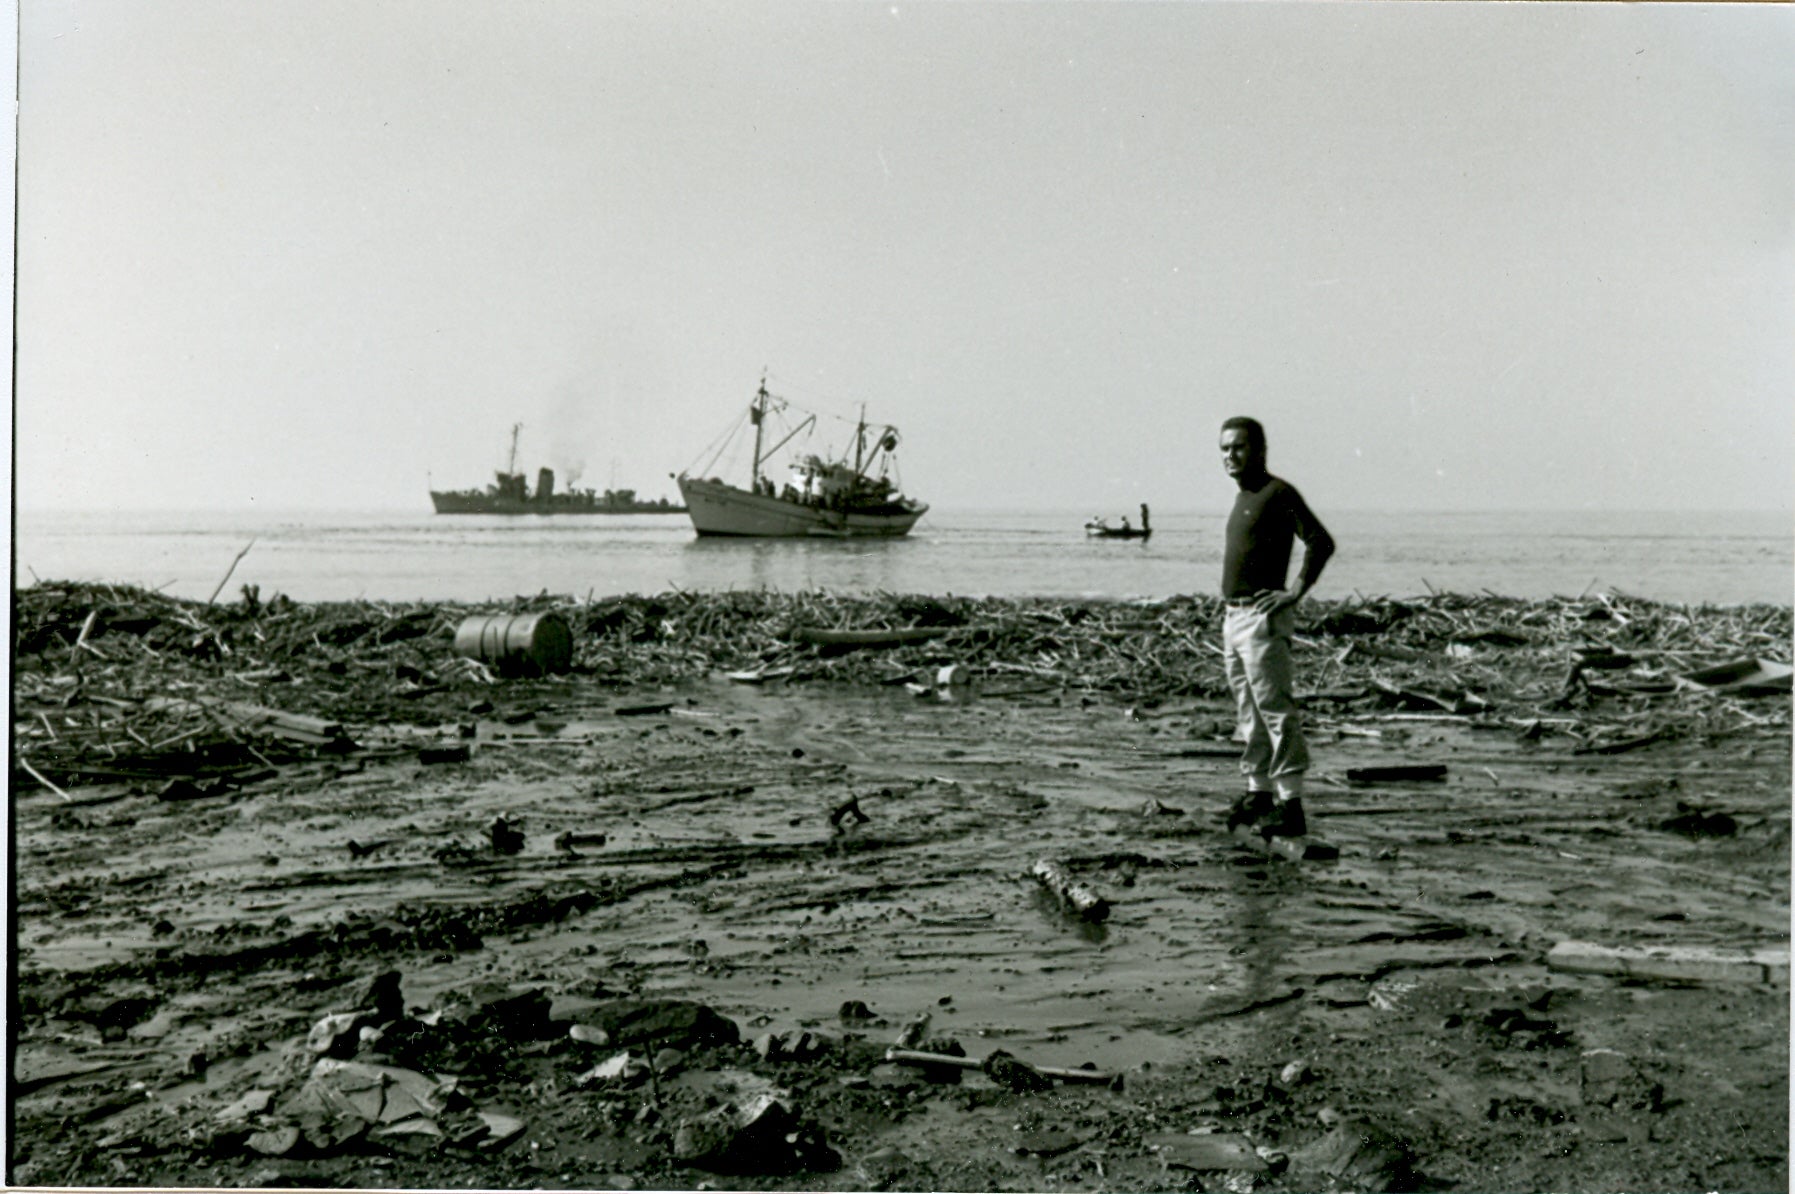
[[937, 507]]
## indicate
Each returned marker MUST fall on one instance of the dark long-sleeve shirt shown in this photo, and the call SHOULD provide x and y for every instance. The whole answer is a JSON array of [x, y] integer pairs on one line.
[[1261, 527]]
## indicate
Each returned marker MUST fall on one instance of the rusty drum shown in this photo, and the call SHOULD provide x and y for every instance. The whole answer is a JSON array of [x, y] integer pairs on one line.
[[517, 644]]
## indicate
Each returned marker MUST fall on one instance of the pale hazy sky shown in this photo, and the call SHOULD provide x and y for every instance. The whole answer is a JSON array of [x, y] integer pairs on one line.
[[307, 253]]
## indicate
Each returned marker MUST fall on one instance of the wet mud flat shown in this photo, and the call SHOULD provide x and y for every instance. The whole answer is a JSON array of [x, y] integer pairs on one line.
[[713, 908]]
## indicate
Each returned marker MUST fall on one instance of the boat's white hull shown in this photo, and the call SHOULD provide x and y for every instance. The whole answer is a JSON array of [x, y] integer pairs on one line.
[[720, 509]]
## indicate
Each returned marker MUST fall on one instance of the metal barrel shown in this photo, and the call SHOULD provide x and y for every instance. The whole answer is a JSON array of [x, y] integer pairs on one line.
[[517, 644]]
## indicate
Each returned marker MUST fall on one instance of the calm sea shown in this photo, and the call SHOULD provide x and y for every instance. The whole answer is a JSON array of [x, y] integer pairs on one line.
[[1712, 558]]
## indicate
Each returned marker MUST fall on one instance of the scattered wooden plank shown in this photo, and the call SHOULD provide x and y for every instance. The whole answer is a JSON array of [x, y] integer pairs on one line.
[[1345, 729], [849, 640], [698, 798], [298, 727], [760, 675], [654, 710], [1382, 651], [81, 639], [39, 777], [1442, 718], [916, 1057], [1447, 703], [1673, 963], [1397, 773]]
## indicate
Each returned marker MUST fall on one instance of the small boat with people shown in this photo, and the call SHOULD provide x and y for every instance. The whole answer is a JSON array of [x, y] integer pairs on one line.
[[1102, 528], [846, 495]]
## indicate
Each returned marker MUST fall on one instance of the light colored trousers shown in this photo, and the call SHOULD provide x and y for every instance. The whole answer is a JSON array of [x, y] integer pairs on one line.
[[1256, 657]]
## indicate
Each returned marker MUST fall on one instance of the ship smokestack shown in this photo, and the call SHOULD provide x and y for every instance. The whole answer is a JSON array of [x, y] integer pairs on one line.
[[545, 484]]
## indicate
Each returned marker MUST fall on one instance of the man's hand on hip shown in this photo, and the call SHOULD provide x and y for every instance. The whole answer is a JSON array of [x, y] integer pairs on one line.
[[1273, 601]]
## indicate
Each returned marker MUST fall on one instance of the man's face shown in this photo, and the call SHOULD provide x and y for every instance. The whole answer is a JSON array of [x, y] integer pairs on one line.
[[1239, 457]]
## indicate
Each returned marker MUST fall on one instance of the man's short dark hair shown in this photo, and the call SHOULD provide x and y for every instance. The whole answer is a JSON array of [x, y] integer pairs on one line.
[[1254, 429]]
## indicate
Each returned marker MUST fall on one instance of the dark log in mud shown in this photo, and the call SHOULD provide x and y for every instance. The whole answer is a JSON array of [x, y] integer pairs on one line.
[[1075, 897]]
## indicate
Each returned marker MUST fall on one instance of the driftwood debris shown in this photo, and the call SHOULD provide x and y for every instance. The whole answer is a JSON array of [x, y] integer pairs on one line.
[[1603, 659], [89, 659], [1412, 697], [1400, 773], [39, 776], [698, 797], [297, 727], [850, 640], [1073, 896], [848, 810], [915, 1057], [1678, 964], [237, 559], [761, 675], [656, 709]]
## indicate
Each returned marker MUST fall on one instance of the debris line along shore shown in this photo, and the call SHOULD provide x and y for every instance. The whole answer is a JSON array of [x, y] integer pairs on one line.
[[261, 680]]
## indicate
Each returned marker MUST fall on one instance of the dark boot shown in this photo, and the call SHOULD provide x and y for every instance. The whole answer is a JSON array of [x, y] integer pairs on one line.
[[1249, 808], [1286, 819]]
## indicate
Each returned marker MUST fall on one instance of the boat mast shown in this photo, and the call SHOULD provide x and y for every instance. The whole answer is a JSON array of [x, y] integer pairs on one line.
[[860, 439], [511, 465], [760, 415]]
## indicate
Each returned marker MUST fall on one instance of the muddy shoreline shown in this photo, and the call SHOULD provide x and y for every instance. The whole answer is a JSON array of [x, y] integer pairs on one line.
[[190, 911]]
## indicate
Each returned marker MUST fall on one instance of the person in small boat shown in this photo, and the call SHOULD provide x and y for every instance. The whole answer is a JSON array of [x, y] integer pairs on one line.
[[1268, 516]]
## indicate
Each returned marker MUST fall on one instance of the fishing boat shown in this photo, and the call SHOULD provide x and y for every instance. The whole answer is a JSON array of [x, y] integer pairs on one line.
[[1101, 528], [847, 497], [510, 493]]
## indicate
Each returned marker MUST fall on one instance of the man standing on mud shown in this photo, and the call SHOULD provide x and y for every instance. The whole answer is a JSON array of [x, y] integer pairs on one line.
[[1261, 615]]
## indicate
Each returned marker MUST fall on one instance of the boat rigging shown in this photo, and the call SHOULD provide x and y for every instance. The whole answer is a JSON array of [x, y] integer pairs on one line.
[[826, 496]]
